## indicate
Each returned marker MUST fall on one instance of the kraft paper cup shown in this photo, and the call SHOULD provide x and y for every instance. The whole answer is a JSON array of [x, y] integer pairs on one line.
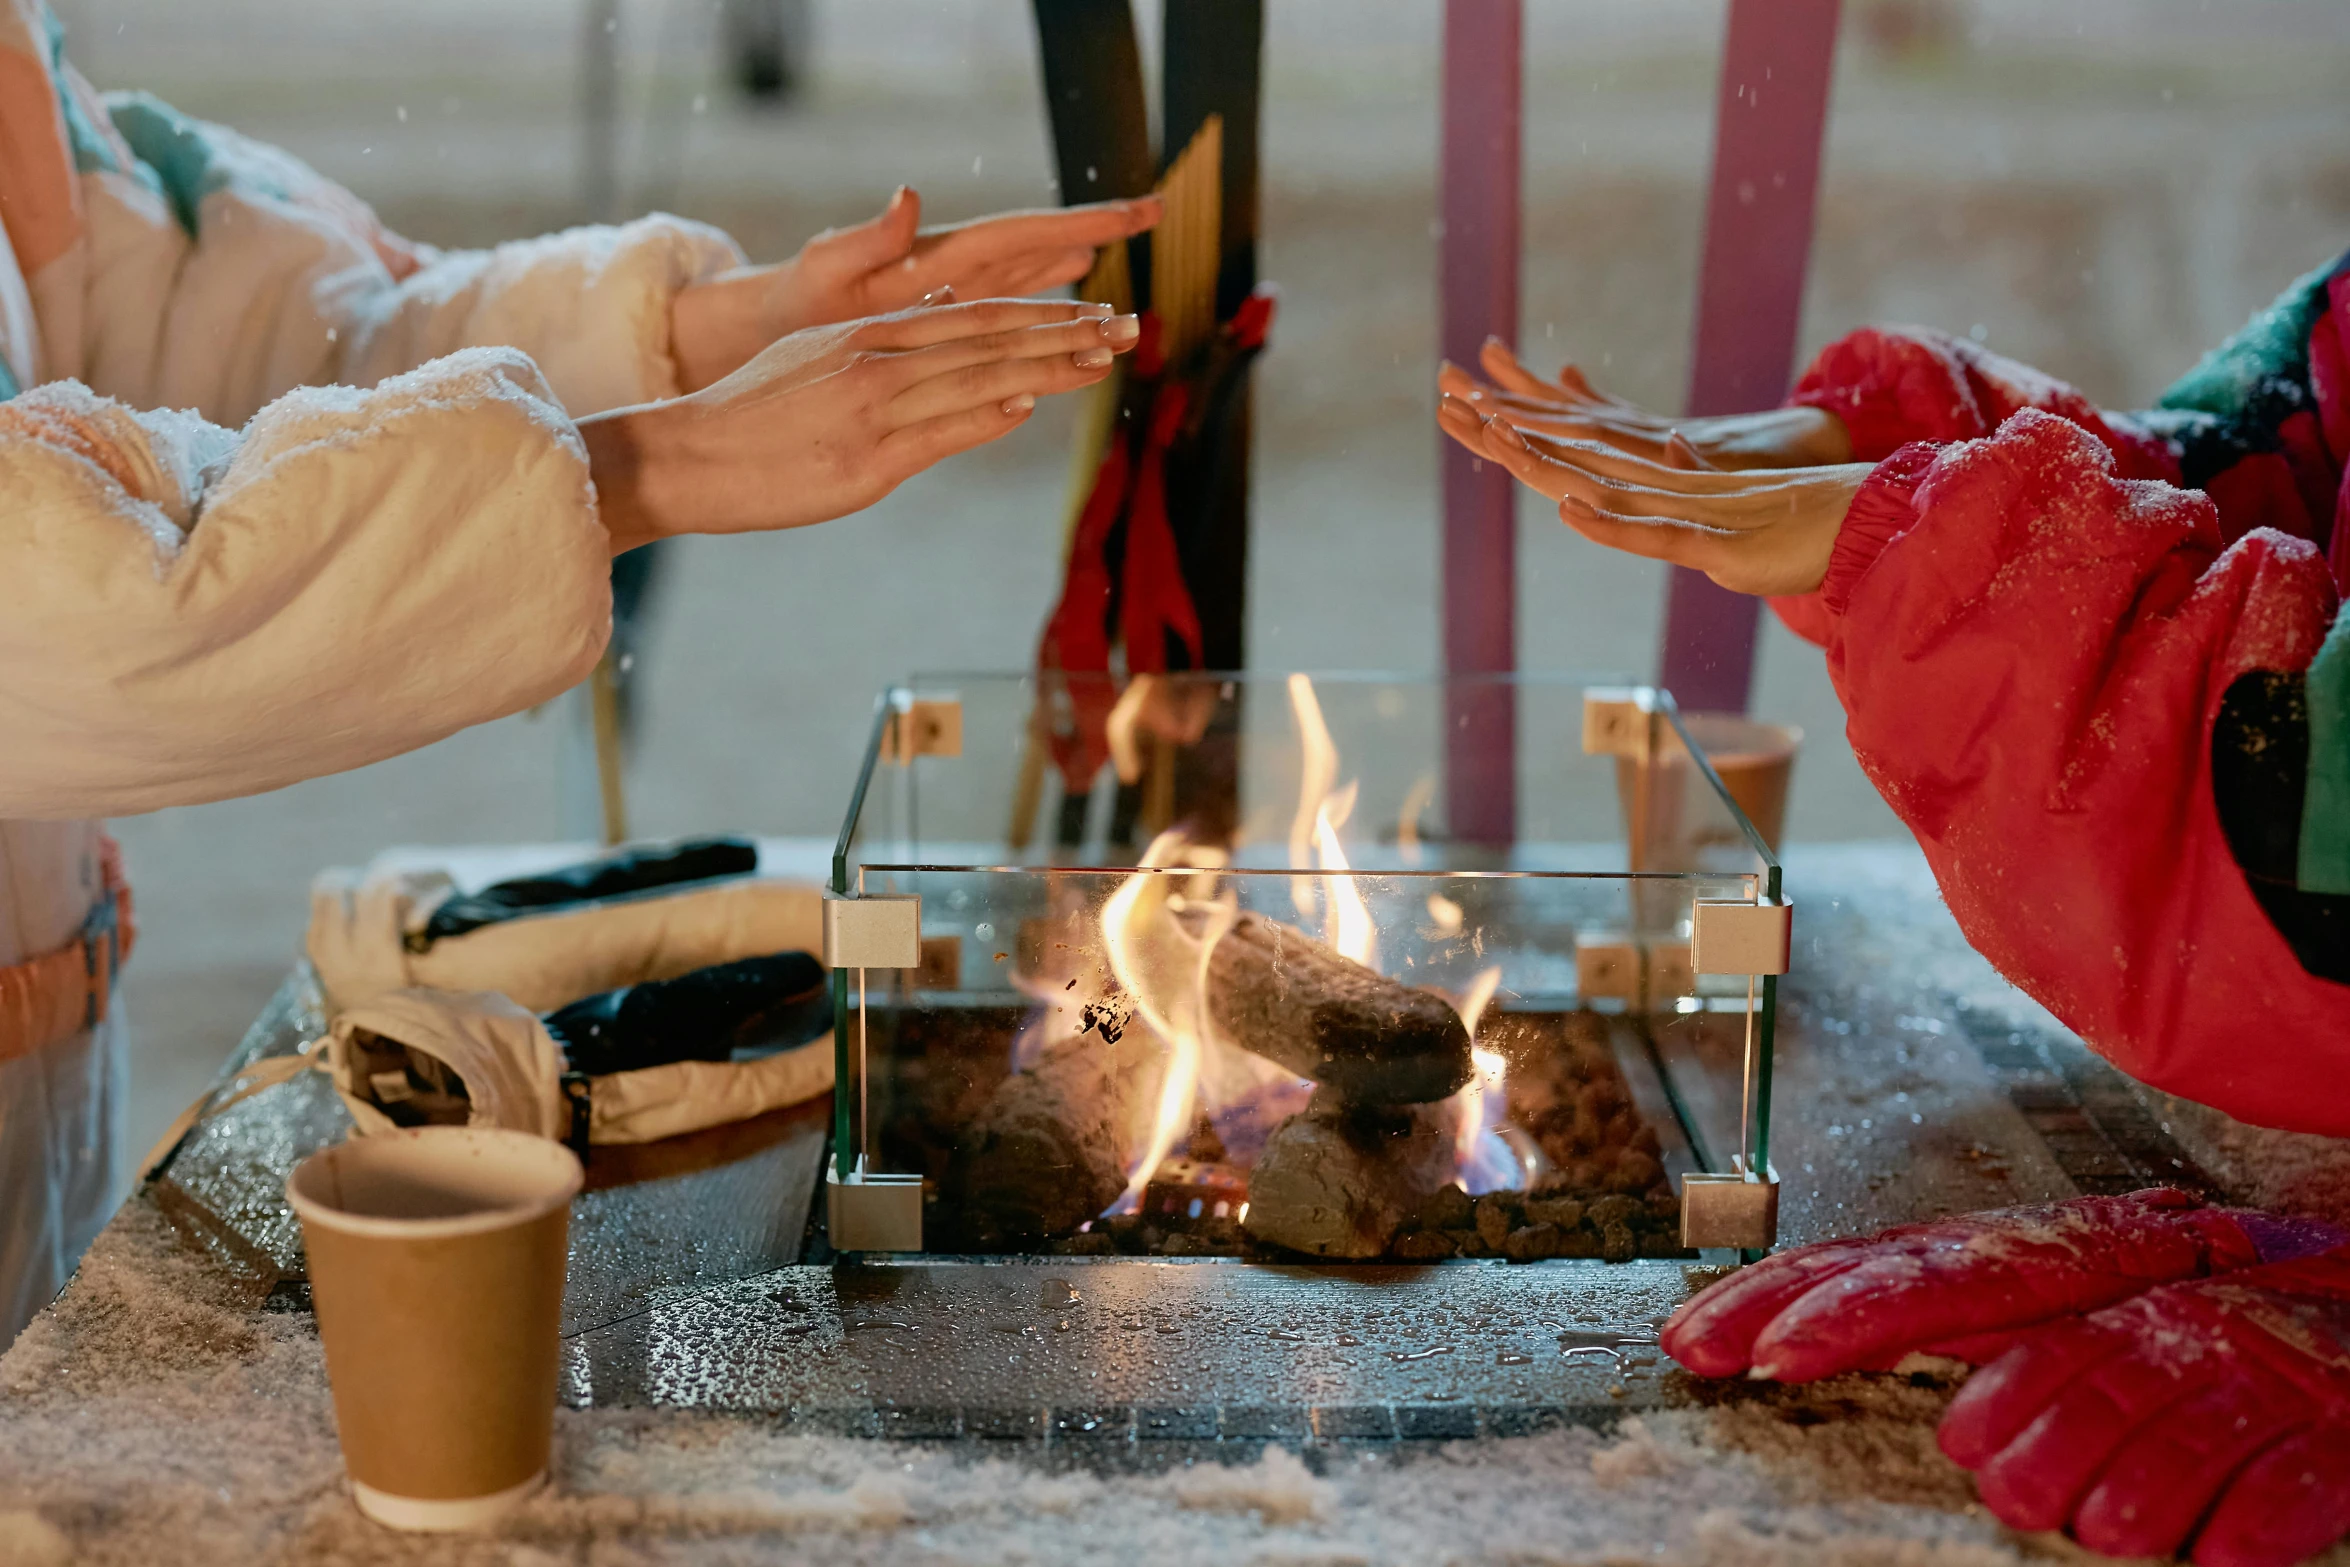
[[1755, 760], [1667, 823], [436, 1270]]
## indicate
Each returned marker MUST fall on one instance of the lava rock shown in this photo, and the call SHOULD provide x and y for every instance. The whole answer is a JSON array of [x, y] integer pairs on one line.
[[1495, 1219], [1635, 1172], [1450, 1209], [1580, 1242], [1532, 1243], [1424, 1246], [1564, 1212], [1614, 1209]]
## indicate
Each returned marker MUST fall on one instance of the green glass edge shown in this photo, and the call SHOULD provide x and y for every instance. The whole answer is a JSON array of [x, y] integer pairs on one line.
[[843, 1143]]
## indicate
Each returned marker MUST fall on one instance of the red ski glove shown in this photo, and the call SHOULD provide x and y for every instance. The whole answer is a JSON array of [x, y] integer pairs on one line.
[[2224, 1402], [1960, 1286]]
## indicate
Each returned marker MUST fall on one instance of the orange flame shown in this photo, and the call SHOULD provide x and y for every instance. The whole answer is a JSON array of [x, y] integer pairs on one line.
[[1165, 970], [1158, 947], [1317, 763], [1485, 1160], [1407, 822], [1346, 919]]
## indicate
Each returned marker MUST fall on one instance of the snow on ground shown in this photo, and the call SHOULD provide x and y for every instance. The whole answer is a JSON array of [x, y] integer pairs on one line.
[[157, 1416]]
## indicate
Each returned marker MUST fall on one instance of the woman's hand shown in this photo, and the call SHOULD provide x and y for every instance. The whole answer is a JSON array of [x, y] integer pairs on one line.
[[1766, 532], [830, 420], [1572, 408], [890, 263]]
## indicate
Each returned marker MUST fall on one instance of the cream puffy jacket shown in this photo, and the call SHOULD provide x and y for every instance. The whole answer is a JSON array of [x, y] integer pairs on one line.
[[280, 494]]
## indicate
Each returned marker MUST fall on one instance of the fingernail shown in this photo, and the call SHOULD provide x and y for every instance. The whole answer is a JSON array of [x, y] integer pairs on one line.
[[1122, 329], [1092, 358], [1016, 406]]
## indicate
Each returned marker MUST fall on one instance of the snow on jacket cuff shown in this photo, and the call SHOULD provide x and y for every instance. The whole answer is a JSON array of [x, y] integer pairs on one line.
[[1894, 385], [589, 305], [188, 614]]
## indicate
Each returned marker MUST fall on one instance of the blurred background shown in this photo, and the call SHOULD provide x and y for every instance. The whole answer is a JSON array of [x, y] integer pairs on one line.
[[2103, 188]]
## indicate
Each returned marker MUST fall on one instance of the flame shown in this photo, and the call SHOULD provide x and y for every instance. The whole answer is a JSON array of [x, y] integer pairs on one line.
[[1484, 1157], [1346, 921], [1446, 915], [1317, 771], [1478, 996], [1407, 825], [1165, 970], [1159, 930]]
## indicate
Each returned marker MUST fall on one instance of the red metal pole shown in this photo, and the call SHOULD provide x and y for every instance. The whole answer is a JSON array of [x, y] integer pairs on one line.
[[1777, 59], [1483, 90]]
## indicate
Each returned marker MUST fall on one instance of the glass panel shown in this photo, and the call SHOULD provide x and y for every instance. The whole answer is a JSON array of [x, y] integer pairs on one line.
[[1085, 1055], [1095, 771], [1209, 941]]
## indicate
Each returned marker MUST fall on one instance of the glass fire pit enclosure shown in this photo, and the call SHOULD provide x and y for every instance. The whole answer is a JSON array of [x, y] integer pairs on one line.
[[1201, 965]]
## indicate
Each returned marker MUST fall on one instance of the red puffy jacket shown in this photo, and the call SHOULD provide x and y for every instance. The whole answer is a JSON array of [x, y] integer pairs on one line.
[[2093, 661]]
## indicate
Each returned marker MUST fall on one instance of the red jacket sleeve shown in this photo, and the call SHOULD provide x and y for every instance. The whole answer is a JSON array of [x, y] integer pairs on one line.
[[1895, 385], [2031, 650]]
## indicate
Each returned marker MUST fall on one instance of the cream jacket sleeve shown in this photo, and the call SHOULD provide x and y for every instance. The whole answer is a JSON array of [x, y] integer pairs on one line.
[[188, 613], [223, 272], [292, 577]]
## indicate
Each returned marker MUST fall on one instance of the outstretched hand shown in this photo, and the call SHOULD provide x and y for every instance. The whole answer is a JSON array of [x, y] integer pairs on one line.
[[1762, 531], [829, 420], [1572, 407], [886, 264]]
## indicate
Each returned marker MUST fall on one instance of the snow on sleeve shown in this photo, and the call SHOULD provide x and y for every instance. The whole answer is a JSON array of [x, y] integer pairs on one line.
[[223, 271], [590, 305], [1898, 384], [187, 615]]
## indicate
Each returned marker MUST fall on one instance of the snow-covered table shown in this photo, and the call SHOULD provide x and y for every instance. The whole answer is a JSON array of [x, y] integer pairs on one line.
[[726, 1404]]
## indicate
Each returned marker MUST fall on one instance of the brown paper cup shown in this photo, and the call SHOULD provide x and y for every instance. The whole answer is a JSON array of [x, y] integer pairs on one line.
[[1668, 823], [436, 1269], [1755, 760]]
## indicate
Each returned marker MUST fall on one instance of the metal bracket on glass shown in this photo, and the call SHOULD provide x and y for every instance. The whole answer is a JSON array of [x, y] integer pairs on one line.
[[869, 1212], [1619, 721], [1735, 1209], [924, 726], [1741, 938], [872, 932]]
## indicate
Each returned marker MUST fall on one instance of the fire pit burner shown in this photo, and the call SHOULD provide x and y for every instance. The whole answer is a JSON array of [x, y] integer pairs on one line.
[[1302, 1021]]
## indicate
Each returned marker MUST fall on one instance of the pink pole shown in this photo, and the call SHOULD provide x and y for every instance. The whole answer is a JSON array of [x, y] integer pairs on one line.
[[1777, 59], [1483, 87]]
